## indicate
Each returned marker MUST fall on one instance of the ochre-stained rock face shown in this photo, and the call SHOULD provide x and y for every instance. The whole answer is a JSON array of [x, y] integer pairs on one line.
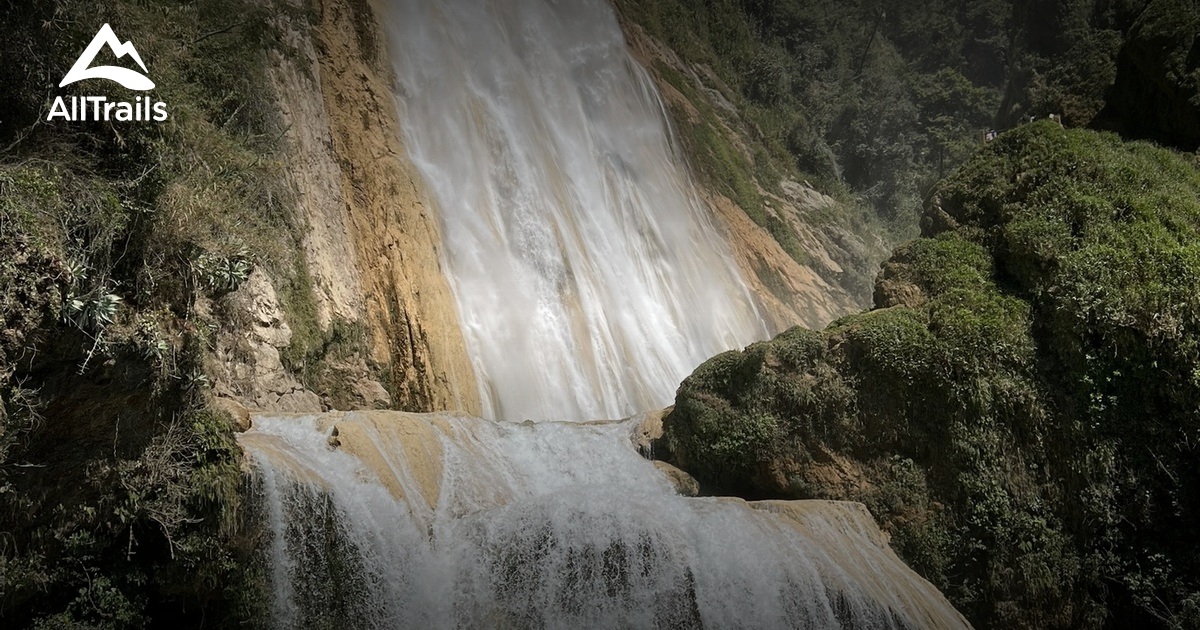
[[412, 474], [409, 307], [373, 247], [371, 244], [788, 292]]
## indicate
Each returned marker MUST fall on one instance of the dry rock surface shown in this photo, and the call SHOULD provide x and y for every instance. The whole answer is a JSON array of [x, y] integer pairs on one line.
[[372, 241]]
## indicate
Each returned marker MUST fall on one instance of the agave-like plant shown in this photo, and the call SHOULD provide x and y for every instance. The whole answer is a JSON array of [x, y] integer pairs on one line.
[[89, 309], [94, 311], [223, 273]]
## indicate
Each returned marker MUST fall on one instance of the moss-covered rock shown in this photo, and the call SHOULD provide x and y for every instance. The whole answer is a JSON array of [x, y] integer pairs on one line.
[[1020, 409]]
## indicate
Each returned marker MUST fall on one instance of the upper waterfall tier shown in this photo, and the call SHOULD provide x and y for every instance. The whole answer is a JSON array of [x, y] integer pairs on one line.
[[445, 521], [588, 275]]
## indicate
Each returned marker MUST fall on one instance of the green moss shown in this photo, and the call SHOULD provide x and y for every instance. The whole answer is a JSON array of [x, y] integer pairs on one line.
[[725, 168], [316, 355], [719, 164], [1026, 432], [945, 263]]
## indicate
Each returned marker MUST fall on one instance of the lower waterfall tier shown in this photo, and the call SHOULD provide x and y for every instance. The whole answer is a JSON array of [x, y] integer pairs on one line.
[[394, 520]]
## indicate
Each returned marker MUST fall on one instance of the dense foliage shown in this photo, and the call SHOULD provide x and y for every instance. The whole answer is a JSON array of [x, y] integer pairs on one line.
[[879, 100], [1019, 419], [120, 488], [1020, 408]]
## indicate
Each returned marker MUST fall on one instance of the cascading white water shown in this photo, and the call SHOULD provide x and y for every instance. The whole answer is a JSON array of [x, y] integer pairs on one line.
[[449, 521], [589, 281], [588, 276]]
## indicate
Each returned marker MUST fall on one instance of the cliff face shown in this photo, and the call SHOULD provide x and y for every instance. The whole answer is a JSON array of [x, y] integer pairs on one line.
[[371, 237], [371, 244]]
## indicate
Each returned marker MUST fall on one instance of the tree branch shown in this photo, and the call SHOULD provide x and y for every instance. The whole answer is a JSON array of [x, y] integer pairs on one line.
[[217, 32]]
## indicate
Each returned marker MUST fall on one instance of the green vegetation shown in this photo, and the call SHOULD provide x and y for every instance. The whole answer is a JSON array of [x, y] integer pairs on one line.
[[879, 100], [121, 498], [1124, 65], [727, 169], [1019, 410], [844, 95]]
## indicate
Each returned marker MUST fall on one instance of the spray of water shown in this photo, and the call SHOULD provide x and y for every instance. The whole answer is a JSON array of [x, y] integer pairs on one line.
[[447, 521]]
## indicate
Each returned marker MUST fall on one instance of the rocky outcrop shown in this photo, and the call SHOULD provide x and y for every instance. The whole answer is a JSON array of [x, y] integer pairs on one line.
[[648, 431], [966, 384], [246, 364], [683, 483], [787, 292], [1156, 93], [371, 245]]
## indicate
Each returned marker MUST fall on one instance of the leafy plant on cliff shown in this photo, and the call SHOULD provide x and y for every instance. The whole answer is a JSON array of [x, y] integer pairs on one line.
[[120, 489], [1019, 410]]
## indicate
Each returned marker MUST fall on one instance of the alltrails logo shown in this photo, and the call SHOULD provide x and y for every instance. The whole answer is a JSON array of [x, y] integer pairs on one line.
[[84, 108]]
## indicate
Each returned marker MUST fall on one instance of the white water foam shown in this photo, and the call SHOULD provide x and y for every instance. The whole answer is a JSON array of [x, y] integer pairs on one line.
[[446, 521]]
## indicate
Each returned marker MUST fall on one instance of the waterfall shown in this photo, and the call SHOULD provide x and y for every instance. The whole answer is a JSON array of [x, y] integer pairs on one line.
[[446, 521], [588, 275], [590, 281]]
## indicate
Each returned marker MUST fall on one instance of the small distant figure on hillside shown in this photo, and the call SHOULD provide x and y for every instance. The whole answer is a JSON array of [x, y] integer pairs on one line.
[[1056, 118], [990, 135]]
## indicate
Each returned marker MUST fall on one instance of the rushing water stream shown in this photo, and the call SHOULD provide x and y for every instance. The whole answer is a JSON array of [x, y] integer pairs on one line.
[[589, 280], [589, 277], [443, 521]]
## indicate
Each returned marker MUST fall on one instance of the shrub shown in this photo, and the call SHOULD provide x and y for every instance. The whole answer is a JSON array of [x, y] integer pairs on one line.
[[1026, 430]]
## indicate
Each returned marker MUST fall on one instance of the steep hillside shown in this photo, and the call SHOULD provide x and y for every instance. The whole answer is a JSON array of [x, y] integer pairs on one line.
[[808, 256], [827, 122], [266, 247], [1018, 409]]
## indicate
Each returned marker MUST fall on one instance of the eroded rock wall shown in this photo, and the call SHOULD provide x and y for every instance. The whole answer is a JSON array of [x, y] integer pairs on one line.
[[372, 242]]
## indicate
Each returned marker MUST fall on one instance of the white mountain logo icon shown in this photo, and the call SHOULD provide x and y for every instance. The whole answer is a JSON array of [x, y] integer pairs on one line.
[[129, 78]]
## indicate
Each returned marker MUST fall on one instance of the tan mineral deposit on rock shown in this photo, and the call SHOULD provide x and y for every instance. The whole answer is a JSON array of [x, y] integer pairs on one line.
[[684, 484]]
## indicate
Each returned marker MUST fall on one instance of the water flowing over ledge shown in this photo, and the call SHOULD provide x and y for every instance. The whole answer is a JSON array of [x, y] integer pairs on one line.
[[590, 280], [588, 274], [394, 520]]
